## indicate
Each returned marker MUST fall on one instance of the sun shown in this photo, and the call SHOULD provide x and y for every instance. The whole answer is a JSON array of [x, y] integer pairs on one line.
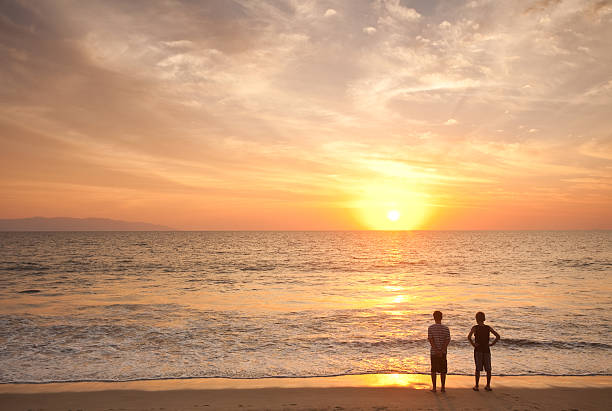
[[393, 215], [384, 206]]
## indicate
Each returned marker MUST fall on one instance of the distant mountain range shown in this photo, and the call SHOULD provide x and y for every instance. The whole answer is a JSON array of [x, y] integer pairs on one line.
[[76, 224]]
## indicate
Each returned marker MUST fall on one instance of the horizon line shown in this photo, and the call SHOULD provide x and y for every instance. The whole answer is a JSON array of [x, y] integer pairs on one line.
[[297, 231]]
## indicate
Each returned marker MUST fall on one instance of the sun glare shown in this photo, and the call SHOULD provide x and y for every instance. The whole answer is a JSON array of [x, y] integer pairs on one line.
[[393, 215], [387, 207]]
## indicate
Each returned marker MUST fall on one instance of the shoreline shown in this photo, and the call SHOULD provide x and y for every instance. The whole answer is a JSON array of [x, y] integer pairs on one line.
[[358, 392], [416, 381], [305, 377]]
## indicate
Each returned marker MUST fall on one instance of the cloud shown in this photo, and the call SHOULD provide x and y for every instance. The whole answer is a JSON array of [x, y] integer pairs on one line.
[[369, 30], [330, 13], [397, 11], [541, 5], [199, 98]]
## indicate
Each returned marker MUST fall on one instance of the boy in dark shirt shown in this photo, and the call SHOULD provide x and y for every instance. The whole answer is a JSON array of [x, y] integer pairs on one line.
[[482, 352]]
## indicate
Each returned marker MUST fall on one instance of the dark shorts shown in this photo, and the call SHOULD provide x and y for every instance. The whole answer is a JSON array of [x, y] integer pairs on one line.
[[438, 364], [482, 360]]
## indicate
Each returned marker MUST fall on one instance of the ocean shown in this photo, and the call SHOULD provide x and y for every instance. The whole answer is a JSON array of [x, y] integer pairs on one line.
[[118, 306]]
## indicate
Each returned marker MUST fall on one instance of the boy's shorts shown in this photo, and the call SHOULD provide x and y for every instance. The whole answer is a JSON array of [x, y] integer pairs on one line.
[[438, 363], [482, 359]]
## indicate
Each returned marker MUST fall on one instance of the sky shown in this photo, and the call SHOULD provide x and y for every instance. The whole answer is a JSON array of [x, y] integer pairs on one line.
[[309, 115]]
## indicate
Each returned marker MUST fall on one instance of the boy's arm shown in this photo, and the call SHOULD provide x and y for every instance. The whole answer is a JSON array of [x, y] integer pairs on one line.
[[448, 340], [432, 342], [497, 337], [469, 337]]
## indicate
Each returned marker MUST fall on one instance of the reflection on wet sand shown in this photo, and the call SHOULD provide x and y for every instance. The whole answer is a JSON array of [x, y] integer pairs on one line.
[[409, 381], [416, 381]]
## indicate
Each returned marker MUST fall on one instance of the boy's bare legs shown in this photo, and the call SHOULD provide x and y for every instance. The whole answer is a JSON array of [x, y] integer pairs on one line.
[[443, 381], [488, 386], [476, 379], [433, 381]]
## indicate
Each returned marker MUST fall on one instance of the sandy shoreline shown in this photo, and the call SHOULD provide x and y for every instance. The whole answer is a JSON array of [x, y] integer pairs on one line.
[[367, 392]]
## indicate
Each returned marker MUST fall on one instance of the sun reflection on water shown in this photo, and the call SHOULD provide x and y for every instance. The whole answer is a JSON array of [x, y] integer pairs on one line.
[[393, 288], [399, 299]]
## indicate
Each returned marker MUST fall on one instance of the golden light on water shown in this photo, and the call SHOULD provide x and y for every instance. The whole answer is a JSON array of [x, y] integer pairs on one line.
[[399, 299]]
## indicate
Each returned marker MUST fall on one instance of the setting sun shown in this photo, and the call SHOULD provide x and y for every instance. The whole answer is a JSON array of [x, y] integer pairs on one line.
[[393, 215], [391, 206]]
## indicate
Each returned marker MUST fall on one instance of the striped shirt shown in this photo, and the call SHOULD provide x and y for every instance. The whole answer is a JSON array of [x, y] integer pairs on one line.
[[440, 335]]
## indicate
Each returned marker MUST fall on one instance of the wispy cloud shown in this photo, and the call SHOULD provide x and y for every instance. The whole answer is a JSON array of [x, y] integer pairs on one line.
[[237, 99]]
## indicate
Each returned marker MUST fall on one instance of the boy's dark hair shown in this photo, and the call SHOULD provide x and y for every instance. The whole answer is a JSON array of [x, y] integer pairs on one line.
[[480, 317], [437, 315]]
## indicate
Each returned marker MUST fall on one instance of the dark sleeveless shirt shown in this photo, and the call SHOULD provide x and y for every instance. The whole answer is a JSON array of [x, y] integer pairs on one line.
[[481, 336]]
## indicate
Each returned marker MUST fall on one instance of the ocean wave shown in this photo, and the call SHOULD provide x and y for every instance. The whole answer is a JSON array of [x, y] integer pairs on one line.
[[582, 263], [518, 342], [511, 343], [23, 266], [296, 305], [258, 268]]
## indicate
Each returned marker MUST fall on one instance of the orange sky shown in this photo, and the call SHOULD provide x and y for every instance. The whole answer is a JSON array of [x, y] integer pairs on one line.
[[317, 115]]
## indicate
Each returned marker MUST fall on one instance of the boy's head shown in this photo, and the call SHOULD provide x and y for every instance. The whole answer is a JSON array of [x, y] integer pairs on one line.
[[480, 317], [437, 316]]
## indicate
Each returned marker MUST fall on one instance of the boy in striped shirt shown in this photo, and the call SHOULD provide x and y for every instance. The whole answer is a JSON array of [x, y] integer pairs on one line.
[[439, 338]]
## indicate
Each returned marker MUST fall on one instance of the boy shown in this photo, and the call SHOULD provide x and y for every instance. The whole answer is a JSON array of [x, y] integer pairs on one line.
[[439, 337], [482, 352]]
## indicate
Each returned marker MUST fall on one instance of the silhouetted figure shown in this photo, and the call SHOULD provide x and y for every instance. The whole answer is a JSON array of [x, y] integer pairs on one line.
[[439, 338], [482, 352]]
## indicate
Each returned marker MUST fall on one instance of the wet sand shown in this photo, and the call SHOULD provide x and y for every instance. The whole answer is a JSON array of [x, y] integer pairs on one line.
[[371, 392]]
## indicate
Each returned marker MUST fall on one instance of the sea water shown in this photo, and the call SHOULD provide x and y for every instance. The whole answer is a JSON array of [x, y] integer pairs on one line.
[[116, 306]]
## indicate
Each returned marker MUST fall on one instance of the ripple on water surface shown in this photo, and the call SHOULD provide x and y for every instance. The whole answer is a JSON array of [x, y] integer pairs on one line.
[[124, 306]]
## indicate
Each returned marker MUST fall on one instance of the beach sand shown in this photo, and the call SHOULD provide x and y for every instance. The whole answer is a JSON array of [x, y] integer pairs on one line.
[[369, 392]]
